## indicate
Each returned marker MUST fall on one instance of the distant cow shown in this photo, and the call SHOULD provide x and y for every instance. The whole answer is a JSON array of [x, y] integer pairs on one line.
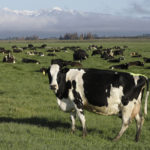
[[104, 92], [7, 51], [121, 66], [43, 46], [118, 52], [136, 63], [64, 63], [96, 52], [75, 64], [135, 54], [27, 60], [147, 60], [9, 59], [80, 55], [106, 55], [17, 50], [51, 54]]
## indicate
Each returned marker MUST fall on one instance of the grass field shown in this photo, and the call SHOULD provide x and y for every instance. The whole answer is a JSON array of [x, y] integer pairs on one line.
[[30, 118]]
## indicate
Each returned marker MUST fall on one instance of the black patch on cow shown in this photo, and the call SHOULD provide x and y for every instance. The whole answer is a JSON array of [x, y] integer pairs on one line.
[[97, 85], [132, 91], [77, 97], [60, 62]]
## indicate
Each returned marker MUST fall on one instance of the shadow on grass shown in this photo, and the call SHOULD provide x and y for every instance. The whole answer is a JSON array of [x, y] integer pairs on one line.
[[2, 92], [42, 122]]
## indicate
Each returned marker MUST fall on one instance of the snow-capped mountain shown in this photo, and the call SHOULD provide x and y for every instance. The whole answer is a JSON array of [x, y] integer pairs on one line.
[[57, 21]]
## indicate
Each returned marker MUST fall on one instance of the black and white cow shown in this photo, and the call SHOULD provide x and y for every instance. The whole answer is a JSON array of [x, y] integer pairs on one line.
[[104, 92], [80, 55]]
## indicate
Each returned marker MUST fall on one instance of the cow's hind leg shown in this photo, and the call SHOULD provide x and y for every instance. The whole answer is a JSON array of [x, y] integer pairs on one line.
[[81, 116], [123, 129], [126, 119], [139, 123]]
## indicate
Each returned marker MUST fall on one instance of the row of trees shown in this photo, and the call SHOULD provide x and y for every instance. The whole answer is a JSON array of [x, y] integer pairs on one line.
[[75, 36], [67, 36]]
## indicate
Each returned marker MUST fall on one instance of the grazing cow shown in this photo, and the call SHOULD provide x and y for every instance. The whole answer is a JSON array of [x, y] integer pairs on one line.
[[95, 52], [6, 51], [75, 64], [50, 54], [2, 50], [118, 52], [121, 66], [80, 55], [147, 60], [104, 92], [43, 46], [14, 47], [40, 54], [17, 50], [30, 46], [64, 63], [136, 63], [135, 54], [9, 59], [26, 60]]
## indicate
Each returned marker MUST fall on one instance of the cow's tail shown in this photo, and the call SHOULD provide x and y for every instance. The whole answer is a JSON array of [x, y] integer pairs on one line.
[[146, 97]]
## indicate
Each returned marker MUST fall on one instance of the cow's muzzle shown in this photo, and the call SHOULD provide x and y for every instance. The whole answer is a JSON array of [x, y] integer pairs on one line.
[[53, 87]]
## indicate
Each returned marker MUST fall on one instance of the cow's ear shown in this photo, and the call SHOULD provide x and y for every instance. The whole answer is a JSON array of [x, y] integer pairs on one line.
[[64, 70]]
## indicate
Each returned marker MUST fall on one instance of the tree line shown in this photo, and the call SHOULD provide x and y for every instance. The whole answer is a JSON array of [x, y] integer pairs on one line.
[[76, 36]]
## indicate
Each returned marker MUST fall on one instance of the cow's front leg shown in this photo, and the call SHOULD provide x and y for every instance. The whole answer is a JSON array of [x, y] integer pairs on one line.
[[77, 101], [79, 109], [73, 117], [81, 116]]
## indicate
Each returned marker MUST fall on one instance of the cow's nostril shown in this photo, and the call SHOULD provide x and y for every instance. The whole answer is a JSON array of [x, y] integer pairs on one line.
[[53, 87]]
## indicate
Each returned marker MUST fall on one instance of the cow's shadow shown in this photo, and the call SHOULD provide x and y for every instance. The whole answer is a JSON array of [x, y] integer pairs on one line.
[[51, 124], [41, 122]]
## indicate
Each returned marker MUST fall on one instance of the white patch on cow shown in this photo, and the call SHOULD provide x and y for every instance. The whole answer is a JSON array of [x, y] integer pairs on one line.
[[136, 78], [114, 103], [116, 72], [130, 110], [76, 75], [114, 100], [65, 104], [106, 90], [54, 71]]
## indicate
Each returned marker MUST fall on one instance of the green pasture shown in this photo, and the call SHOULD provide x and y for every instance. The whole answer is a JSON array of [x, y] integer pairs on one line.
[[30, 118]]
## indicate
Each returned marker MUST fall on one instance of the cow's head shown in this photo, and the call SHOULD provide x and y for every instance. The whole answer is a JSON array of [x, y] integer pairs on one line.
[[57, 77], [53, 76]]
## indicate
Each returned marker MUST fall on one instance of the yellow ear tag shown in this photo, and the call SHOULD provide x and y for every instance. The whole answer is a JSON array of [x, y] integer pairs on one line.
[[43, 72]]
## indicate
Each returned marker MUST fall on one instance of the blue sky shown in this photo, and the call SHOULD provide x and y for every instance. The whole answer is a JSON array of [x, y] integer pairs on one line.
[[105, 17], [101, 6]]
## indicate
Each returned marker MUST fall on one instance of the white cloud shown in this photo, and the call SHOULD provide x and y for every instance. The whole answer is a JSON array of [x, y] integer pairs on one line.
[[57, 8], [138, 9], [58, 21]]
